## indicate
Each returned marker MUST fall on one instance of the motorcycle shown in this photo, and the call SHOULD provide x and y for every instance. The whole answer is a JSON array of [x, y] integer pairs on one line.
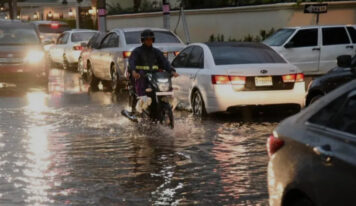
[[160, 98]]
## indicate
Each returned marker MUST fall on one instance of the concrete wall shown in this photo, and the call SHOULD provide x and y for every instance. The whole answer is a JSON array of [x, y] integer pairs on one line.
[[237, 22]]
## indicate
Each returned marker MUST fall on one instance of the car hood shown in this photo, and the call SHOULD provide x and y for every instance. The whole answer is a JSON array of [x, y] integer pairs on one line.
[[257, 69]]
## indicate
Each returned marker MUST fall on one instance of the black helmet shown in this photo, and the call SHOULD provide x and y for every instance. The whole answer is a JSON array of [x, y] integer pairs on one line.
[[147, 34]]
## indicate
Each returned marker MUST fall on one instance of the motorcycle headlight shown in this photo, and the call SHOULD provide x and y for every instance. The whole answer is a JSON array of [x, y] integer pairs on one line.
[[163, 86], [34, 56]]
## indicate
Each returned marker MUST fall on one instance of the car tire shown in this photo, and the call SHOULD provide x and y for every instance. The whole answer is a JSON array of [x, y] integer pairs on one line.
[[315, 98], [198, 106], [302, 201], [80, 68], [92, 79], [114, 79], [65, 65]]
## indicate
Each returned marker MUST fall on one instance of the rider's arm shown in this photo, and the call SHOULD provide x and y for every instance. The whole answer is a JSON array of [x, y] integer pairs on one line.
[[133, 61], [163, 62]]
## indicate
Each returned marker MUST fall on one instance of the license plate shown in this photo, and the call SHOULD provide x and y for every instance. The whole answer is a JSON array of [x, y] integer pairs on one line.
[[263, 81], [164, 93]]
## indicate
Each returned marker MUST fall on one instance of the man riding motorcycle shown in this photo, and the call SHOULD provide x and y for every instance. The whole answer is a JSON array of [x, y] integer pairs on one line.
[[145, 59]]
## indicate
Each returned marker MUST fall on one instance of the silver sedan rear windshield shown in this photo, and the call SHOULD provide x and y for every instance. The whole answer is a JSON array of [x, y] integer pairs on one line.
[[82, 36], [226, 55], [279, 38], [134, 37]]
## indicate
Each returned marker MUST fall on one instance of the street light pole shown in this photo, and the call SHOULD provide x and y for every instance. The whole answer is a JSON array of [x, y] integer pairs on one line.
[[13, 9], [77, 16], [101, 4], [166, 14]]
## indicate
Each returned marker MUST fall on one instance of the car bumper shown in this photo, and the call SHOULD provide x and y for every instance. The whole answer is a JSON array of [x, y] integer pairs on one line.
[[224, 97]]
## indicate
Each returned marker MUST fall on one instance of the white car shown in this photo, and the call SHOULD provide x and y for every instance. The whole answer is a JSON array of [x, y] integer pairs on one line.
[[109, 62], [69, 46], [216, 77], [314, 49]]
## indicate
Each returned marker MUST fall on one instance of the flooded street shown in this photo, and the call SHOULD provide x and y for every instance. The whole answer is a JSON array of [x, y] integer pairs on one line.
[[67, 146]]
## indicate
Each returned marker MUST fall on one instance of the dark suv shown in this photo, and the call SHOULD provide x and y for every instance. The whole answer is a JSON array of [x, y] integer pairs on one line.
[[312, 154], [343, 73]]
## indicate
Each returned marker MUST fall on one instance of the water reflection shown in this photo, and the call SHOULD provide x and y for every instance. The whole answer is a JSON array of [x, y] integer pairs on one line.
[[38, 162]]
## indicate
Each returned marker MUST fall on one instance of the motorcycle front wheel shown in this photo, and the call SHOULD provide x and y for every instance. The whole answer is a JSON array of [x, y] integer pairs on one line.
[[167, 116]]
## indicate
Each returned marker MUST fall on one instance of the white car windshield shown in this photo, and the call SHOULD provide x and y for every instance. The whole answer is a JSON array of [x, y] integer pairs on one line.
[[134, 37], [279, 38], [244, 53]]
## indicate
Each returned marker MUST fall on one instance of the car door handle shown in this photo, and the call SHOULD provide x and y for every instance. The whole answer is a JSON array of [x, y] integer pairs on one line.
[[316, 49], [325, 152], [350, 47]]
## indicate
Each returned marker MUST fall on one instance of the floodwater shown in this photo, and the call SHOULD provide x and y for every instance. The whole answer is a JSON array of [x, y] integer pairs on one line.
[[67, 145]]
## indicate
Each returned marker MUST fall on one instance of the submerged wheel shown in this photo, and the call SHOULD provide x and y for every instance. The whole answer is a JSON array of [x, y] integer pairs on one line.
[[92, 79], [66, 65], [168, 118], [114, 79], [315, 98], [198, 105]]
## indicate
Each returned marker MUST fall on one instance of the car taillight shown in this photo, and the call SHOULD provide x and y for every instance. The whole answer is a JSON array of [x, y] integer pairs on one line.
[[220, 79], [224, 79], [293, 78], [176, 53], [77, 48], [288, 78], [54, 26], [238, 80], [126, 54], [300, 77], [273, 145]]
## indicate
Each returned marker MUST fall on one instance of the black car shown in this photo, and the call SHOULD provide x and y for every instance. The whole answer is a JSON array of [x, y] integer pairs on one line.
[[312, 154], [343, 73]]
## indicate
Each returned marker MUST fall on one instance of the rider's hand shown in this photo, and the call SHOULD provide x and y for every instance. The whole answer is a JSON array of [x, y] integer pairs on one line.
[[175, 74], [135, 75]]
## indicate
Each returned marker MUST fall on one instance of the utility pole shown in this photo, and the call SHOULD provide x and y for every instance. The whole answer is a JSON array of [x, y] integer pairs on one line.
[[77, 16], [101, 4], [13, 9], [166, 14], [185, 25]]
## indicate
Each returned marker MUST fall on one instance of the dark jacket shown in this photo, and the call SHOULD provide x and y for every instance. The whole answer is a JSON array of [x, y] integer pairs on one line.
[[148, 59]]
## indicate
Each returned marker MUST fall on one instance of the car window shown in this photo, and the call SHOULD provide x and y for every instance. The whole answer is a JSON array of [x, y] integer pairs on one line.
[[334, 36], [345, 120], [63, 38], [107, 42], [92, 40], [134, 37], [352, 32], [324, 116], [243, 54], [181, 59], [305, 38], [81, 36], [195, 59], [278, 38]]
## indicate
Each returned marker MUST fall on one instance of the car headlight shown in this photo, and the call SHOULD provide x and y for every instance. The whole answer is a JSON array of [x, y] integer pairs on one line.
[[34, 56]]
